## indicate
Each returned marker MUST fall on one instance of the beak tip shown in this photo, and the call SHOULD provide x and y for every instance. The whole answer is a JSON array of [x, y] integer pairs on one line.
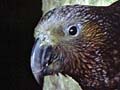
[[36, 70], [37, 77]]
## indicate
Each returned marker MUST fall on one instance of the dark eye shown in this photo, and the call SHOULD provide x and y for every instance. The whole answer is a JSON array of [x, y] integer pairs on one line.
[[73, 30]]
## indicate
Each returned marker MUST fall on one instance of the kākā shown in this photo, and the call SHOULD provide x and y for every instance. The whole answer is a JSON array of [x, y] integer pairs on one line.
[[82, 42]]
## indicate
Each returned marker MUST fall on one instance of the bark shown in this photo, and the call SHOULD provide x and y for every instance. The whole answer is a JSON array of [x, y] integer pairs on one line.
[[50, 4], [60, 83]]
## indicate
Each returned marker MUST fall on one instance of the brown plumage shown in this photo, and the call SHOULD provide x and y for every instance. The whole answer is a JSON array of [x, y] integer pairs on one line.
[[82, 42]]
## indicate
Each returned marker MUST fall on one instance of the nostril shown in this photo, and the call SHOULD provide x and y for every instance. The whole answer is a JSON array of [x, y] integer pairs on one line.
[[43, 37]]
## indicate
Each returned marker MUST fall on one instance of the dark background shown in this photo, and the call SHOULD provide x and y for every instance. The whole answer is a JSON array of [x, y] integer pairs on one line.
[[18, 19]]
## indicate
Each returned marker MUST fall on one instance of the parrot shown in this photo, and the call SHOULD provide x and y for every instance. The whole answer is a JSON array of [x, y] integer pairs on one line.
[[81, 41]]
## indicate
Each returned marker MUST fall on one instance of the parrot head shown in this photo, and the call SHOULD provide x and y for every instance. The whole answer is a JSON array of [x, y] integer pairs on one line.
[[70, 40], [61, 37]]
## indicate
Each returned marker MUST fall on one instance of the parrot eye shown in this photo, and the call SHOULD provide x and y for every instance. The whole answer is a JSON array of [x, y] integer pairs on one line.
[[73, 30]]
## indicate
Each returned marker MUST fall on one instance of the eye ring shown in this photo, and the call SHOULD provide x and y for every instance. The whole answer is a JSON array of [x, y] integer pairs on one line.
[[73, 30]]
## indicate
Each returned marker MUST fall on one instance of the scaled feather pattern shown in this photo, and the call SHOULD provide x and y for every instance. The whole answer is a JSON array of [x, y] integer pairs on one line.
[[80, 41]]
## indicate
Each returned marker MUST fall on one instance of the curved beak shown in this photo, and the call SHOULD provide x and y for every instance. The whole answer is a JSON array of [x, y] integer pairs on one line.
[[39, 58], [44, 60]]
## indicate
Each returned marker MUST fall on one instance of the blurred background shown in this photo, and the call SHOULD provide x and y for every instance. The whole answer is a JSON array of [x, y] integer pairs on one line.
[[18, 19]]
